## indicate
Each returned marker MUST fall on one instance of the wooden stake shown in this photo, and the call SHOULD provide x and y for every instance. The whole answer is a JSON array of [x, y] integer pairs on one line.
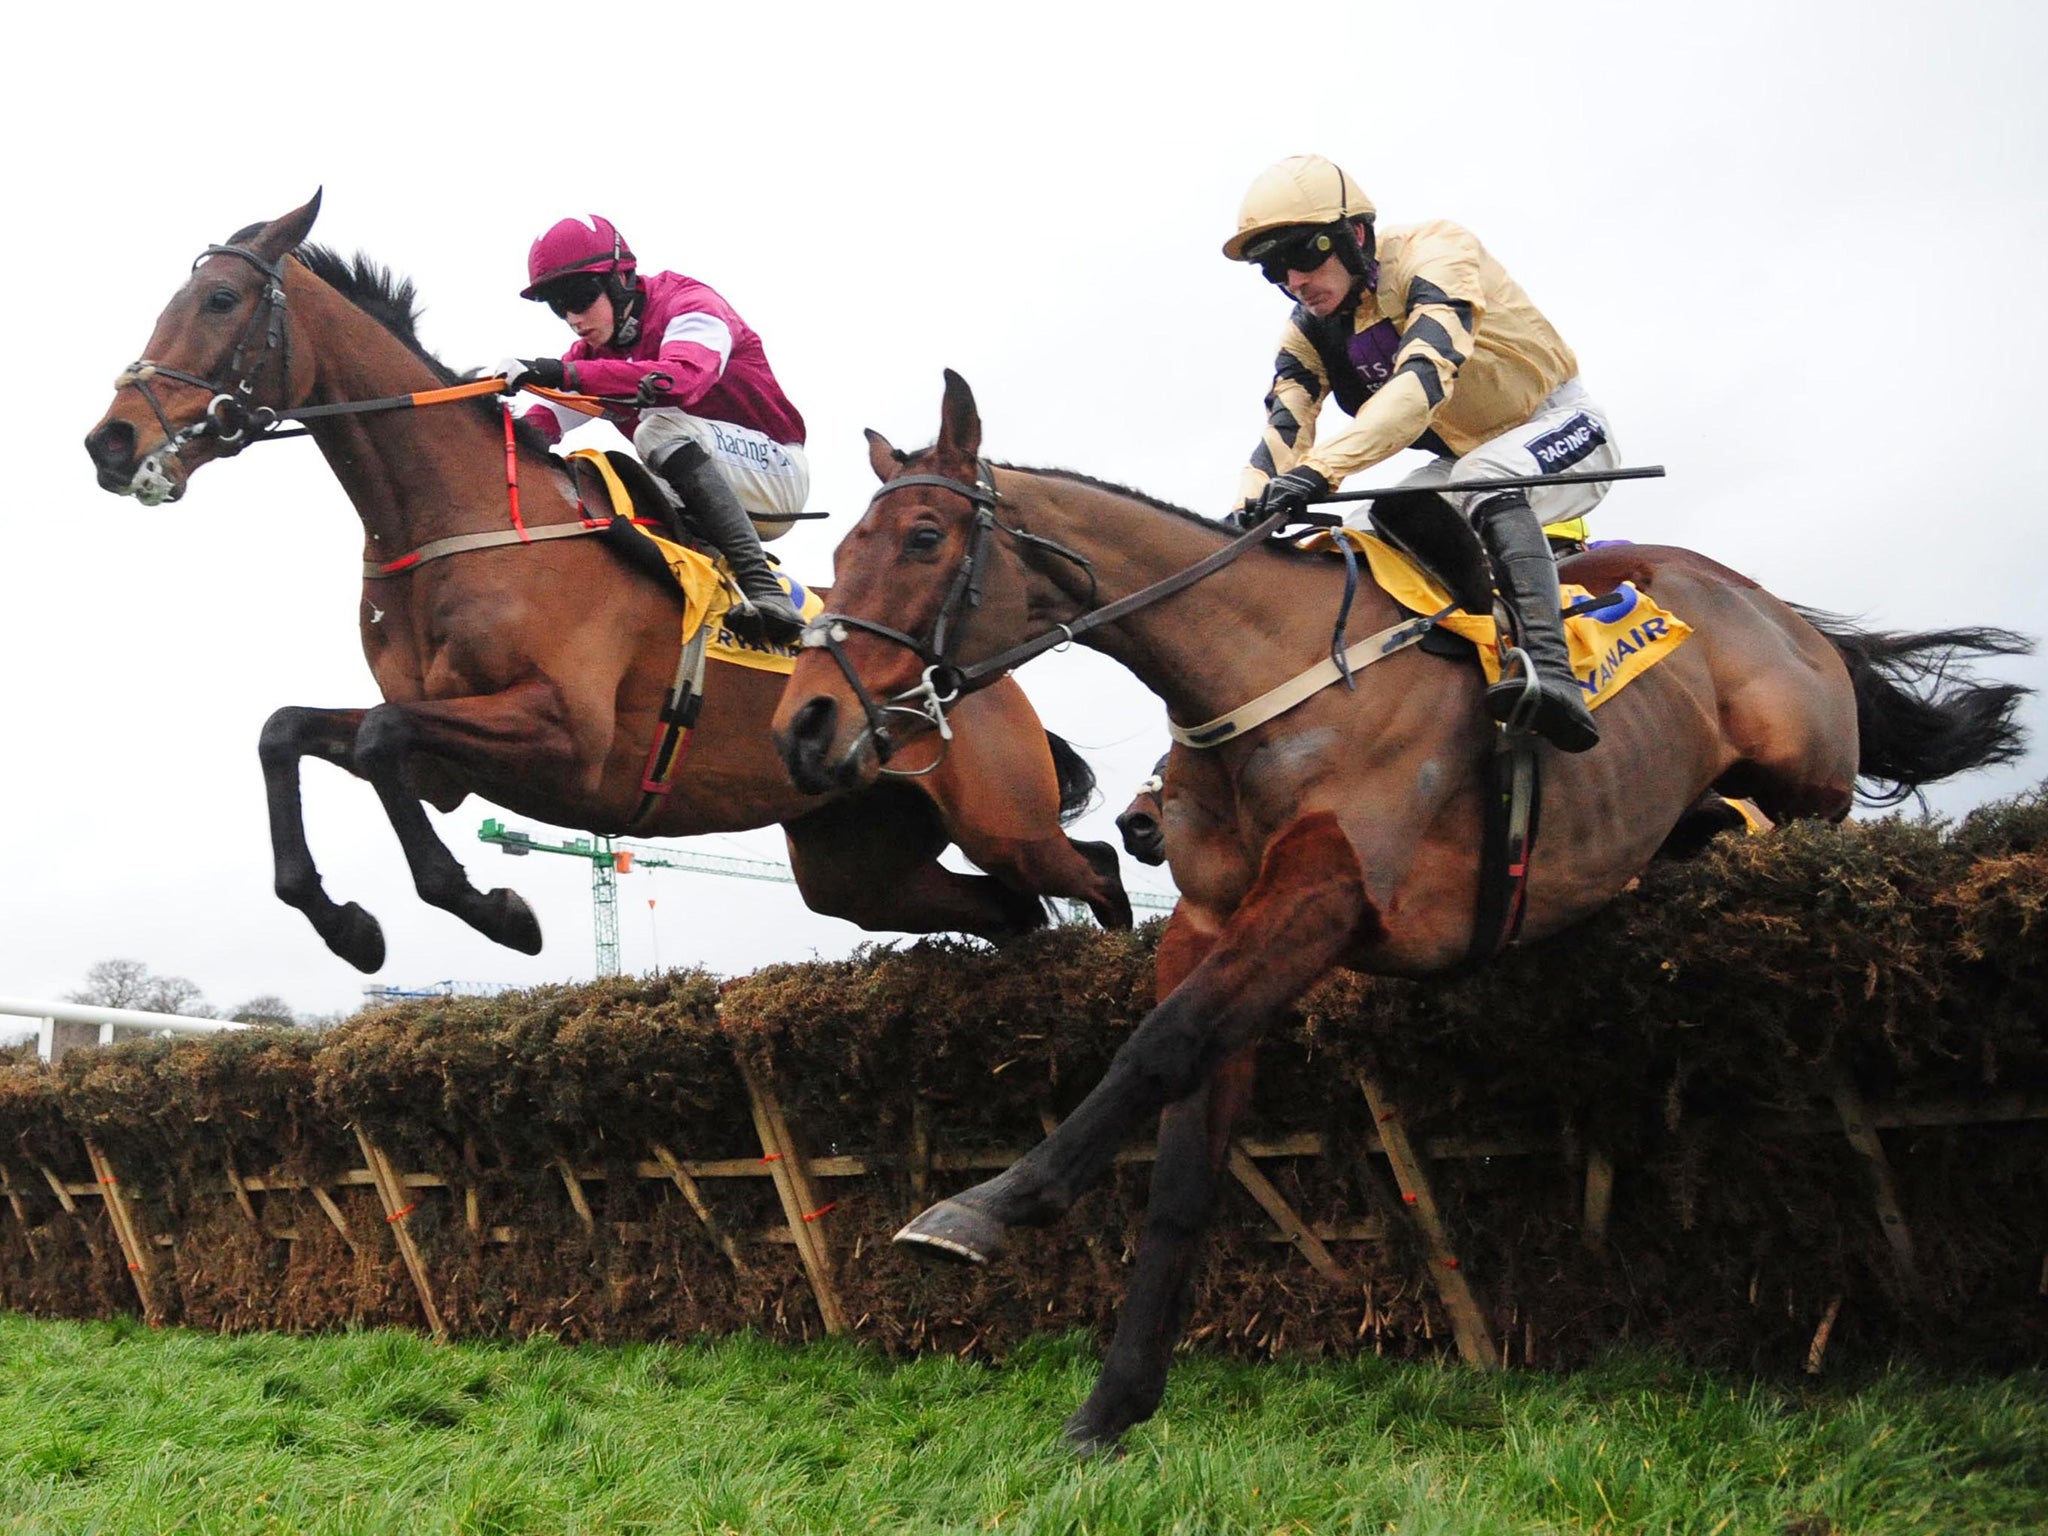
[[472, 1205], [333, 1213], [1863, 1137], [391, 1191], [1599, 1198], [693, 1194], [58, 1189], [799, 1200], [1468, 1322], [242, 1194], [1285, 1217], [21, 1215], [126, 1230], [576, 1195], [1819, 1347], [920, 1154]]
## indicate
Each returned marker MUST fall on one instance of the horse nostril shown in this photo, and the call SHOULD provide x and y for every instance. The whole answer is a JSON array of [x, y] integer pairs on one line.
[[814, 722], [111, 446]]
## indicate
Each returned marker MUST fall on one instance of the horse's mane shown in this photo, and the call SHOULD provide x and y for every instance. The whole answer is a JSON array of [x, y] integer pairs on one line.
[[393, 303], [1110, 487]]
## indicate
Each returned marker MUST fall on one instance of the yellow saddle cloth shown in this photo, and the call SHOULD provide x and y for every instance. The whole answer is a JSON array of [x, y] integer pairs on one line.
[[707, 587], [1610, 646]]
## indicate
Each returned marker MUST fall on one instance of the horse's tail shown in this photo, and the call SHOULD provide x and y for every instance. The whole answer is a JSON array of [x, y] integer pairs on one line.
[[1919, 715], [1077, 779]]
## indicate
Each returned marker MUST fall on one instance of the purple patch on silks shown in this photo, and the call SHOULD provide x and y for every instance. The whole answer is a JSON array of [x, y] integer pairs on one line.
[[1372, 352]]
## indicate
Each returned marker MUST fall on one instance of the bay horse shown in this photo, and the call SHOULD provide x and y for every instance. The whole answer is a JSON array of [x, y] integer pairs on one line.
[[534, 674], [1343, 832]]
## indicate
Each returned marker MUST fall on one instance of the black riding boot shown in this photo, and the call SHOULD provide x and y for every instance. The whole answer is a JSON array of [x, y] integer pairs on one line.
[[711, 506], [1527, 573]]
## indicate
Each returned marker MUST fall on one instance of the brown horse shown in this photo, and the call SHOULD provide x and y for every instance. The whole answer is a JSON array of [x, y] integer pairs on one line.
[[534, 674], [1343, 832]]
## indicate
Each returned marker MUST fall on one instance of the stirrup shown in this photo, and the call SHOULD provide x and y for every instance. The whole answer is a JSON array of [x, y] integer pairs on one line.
[[1521, 715]]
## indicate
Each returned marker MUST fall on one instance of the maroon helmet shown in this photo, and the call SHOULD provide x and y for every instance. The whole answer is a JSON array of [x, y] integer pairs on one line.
[[572, 245]]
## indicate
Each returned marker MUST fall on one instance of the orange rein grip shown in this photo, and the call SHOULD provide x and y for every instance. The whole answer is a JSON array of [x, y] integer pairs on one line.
[[588, 405], [491, 386]]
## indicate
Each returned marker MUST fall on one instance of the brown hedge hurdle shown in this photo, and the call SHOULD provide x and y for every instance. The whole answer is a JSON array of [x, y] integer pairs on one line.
[[1789, 1098]]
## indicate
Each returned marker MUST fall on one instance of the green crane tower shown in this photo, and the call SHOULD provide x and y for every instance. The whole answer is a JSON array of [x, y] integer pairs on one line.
[[611, 857]]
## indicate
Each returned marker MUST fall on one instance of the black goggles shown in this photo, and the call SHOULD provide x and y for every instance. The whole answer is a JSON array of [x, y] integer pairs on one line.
[[1292, 250], [573, 294]]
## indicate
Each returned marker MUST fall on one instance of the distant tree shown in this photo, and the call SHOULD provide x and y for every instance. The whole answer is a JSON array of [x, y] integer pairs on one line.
[[266, 1009], [129, 984]]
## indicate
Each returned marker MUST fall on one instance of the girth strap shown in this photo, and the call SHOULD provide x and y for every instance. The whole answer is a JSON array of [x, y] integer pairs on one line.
[[460, 543], [1305, 685]]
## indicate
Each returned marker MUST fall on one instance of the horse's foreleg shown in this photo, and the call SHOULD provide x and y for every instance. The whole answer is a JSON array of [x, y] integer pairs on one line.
[[328, 734], [1304, 910], [509, 733], [1194, 1144]]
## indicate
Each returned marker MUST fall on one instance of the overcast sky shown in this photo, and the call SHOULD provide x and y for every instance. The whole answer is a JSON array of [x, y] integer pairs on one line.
[[1795, 247]]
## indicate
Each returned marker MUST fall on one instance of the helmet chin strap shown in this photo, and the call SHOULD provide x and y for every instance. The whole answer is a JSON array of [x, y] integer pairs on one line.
[[627, 298]]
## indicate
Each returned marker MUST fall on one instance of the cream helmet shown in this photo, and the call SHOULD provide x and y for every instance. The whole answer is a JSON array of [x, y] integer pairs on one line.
[[1304, 208]]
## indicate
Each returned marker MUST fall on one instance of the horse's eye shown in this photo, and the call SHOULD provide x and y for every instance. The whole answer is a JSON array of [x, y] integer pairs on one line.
[[221, 300], [922, 539]]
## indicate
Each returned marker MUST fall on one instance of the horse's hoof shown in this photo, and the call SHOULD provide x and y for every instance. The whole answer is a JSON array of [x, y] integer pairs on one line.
[[513, 923], [951, 1230], [355, 936], [1090, 1440]]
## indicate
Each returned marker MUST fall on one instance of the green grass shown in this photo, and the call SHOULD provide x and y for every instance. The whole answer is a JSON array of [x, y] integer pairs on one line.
[[109, 1427]]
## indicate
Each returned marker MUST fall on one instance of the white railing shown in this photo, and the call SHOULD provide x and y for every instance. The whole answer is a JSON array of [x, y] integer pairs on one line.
[[64, 1025]]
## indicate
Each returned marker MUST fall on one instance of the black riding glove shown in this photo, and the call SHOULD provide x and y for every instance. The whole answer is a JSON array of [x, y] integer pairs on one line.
[[547, 372], [1292, 492]]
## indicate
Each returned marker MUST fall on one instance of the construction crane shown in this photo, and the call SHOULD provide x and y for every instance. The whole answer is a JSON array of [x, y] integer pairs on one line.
[[610, 857]]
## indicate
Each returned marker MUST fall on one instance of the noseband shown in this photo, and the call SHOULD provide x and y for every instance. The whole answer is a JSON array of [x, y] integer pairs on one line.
[[231, 415]]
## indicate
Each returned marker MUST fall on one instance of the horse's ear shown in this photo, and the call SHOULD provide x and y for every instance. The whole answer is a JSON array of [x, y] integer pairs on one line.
[[882, 457], [288, 233], [959, 421]]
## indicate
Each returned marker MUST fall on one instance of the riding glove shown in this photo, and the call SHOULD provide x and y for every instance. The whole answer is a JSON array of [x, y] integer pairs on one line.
[[547, 372], [1292, 492]]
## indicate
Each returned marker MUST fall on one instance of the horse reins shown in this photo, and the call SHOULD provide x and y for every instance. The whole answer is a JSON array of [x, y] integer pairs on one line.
[[945, 681], [233, 417]]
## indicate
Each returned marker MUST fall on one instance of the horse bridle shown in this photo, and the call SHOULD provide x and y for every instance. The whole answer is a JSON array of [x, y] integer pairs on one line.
[[944, 681], [231, 414]]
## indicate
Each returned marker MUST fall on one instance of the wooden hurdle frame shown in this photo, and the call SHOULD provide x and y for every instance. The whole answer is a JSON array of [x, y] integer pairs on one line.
[[801, 1181]]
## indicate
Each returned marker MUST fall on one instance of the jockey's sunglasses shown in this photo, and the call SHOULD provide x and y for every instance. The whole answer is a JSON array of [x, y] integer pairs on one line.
[[572, 295], [1292, 250]]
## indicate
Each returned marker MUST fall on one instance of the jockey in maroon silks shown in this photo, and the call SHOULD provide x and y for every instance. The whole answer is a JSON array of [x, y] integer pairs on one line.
[[707, 415]]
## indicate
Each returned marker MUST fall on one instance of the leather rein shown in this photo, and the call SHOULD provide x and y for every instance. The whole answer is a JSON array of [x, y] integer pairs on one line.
[[945, 681], [235, 420]]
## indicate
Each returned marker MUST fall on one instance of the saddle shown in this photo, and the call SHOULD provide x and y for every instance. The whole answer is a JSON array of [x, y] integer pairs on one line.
[[658, 548]]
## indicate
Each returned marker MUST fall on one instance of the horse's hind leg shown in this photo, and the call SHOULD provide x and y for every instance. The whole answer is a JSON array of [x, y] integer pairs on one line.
[[1793, 731], [873, 860], [328, 734], [998, 789], [511, 732]]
